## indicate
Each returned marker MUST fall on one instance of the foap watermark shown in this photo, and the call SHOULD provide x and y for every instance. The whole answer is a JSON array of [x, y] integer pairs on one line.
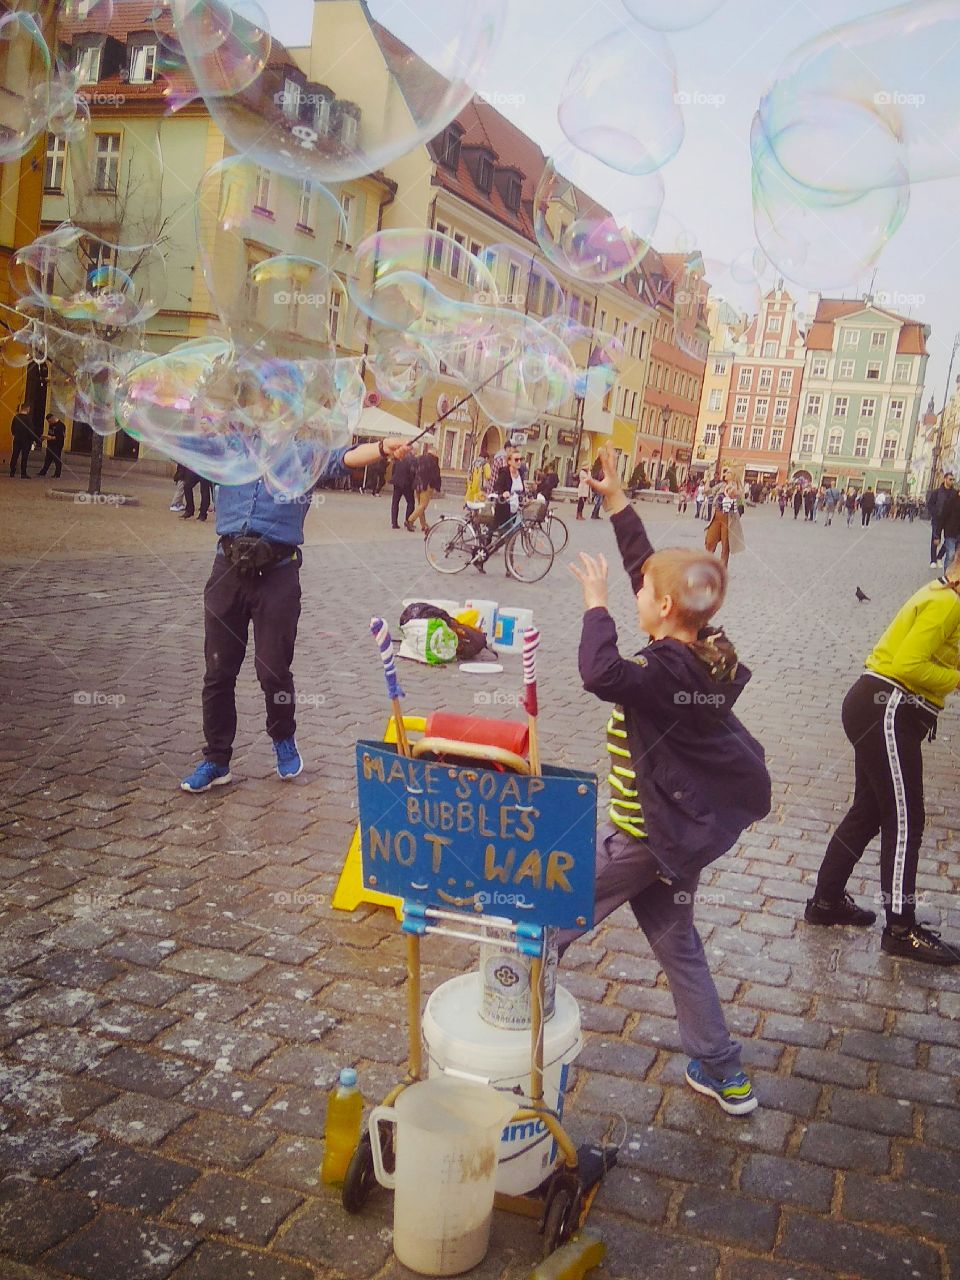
[[286, 298], [284, 699], [97, 99], [485, 298], [697, 698], [683, 899], [298, 898], [86, 900], [886, 299], [496, 98], [300, 499], [697, 98], [497, 899], [96, 698], [896, 98], [300, 99], [499, 699], [98, 499]]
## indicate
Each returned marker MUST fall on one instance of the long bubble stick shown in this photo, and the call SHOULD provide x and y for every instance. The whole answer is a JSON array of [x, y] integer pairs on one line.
[[531, 643], [381, 633]]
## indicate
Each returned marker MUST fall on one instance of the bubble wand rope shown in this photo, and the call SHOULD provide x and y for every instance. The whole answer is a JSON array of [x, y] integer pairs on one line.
[[381, 633], [462, 401]]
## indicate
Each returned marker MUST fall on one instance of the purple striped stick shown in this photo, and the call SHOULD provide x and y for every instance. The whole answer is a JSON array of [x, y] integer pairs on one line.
[[381, 633]]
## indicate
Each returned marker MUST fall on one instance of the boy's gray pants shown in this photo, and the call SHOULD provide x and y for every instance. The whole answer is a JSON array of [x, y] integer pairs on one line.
[[628, 872]]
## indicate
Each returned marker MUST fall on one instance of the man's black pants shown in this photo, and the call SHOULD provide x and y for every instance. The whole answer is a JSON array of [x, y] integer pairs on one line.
[[21, 452], [230, 603], [206, 491], [53, 459], [395, 504], [887, 728]]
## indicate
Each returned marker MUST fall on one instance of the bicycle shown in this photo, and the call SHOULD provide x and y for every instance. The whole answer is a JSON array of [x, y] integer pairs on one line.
[[554, 528], [454, 542]]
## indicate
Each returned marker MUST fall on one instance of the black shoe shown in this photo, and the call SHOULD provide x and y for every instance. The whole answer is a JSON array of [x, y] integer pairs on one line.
[[918, 943], [846, 911], [394, 526], [201, 517]]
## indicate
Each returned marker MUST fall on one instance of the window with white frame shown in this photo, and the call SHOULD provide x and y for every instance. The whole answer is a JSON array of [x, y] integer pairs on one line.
[[107, 172], [766, 380], [710, 436], [814, 404], [873, 371], [785, 381], [756, 437], [143, 63], [348, 130], [895, 411], [807, 438], [861, 444], [321, 116], [845, 369], [586, 312], [740, 407], [835, 442], [439, 248], [780, 410], [889, 451], [762, 407], [87, 65], [736, 438], [818, 367], [840, 406], [335, 313], [774, 324], [850, 338], [769, 349], [776, 439], [745, 380], [868, 407], [261, 190], [715, 401], [878, 339], [456, 255], [901, 372], [513, 282], [305, 206], [720, 367], [56, 163]]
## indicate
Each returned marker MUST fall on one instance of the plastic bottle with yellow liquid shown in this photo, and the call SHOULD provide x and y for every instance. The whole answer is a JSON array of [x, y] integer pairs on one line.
[[342, 1130]]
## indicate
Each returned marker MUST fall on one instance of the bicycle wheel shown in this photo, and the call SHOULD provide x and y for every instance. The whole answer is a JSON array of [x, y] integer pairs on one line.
[[556, 531], [450, 544], [529, 554]]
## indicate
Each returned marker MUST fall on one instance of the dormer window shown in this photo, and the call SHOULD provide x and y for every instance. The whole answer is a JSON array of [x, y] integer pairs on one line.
[[511, 195], [348, 131], [321, 122], [450, 152], [87, 65], [143, 63], [485, 175], [291, 100]]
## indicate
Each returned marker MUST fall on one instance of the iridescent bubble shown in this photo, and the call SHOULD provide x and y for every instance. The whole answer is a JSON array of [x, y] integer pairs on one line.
[[672, 15], [523, 281], [620, 102], [591, 223], [874, 102], [116, 192], [71, 122], [820, 239], [690, 308], [403, 368], [335, 394], [737, 286], [333, 123], [24, 84]]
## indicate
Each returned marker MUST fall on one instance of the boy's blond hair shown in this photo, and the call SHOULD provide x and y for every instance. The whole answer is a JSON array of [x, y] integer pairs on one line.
[[696, 582]]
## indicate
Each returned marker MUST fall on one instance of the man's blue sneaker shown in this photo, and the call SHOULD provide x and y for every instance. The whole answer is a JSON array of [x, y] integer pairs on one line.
[[289, 764], [206, 775], [734, 1095]]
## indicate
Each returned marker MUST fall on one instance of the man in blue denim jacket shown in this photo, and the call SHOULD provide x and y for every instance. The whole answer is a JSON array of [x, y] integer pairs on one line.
[[256, 578]]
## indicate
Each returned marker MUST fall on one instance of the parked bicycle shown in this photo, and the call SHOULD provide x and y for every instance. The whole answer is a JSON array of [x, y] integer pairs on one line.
[[455, 542]]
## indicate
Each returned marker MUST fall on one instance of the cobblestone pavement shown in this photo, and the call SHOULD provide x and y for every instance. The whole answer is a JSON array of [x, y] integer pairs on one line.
[[178, 995]]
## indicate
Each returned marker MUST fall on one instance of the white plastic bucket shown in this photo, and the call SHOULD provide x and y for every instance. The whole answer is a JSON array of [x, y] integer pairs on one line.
[[505, 978], [446, 1153], [487, 621], [458, 1040], [510, 626]]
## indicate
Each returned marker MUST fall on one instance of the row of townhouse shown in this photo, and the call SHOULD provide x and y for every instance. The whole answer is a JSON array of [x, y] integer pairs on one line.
[[838, 403], [475, 183]]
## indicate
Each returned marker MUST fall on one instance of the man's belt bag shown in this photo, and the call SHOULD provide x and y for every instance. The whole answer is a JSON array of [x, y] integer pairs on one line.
[[250, 555]]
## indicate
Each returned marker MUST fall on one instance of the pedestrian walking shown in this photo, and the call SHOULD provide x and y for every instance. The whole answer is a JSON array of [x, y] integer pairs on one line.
[[403, 479], [656, 843], [782, 500], [256, 578], [24, 438], [831, 497], [950, 520], [935, 506], [190, 481], [724, 530], [797, 500], [868, 504], [887, 715], [683, 497], [698, 499], [809, 504], [428, 483], [596, 473], [478, 479], [850, 504], [583, 491], [54, 438]]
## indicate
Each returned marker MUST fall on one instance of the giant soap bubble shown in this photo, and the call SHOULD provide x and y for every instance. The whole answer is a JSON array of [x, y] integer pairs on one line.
[[25, 86], [671, 15], [620, 102], [334, 122]]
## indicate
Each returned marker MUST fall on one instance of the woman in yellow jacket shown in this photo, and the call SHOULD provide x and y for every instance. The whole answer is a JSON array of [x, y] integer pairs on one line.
[[886, 715]]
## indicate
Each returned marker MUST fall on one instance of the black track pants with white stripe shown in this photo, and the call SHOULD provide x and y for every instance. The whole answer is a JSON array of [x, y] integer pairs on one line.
[[887, 728]]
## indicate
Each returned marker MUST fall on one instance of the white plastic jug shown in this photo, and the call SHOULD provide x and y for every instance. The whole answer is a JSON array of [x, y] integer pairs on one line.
[[448, 1132]]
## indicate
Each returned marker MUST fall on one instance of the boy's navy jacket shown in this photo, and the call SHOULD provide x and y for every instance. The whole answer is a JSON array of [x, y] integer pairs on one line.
[[700, 775]]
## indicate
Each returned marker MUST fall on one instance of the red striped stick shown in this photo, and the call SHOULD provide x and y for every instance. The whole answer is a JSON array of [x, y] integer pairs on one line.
[[531, 643]]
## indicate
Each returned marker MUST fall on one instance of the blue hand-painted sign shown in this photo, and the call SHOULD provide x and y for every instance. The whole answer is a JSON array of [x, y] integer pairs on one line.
[[462, 836]]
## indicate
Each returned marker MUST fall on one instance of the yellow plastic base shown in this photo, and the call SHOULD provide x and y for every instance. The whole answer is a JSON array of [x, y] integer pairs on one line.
[[351, 892], [572, 1261]]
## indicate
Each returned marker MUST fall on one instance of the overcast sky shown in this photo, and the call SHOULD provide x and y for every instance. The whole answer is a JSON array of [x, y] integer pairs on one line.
[[724, 64]]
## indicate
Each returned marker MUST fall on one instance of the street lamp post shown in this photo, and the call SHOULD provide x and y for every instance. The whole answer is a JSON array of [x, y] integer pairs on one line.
[[721, 431], [938, 443], [665, 418]]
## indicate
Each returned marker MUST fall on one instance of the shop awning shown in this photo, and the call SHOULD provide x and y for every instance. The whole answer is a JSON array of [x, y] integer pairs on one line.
[[374, 422]]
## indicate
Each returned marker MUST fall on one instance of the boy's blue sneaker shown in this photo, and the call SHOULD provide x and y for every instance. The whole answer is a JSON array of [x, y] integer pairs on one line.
[[206, 775], [289, 763], [734, 1095]]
